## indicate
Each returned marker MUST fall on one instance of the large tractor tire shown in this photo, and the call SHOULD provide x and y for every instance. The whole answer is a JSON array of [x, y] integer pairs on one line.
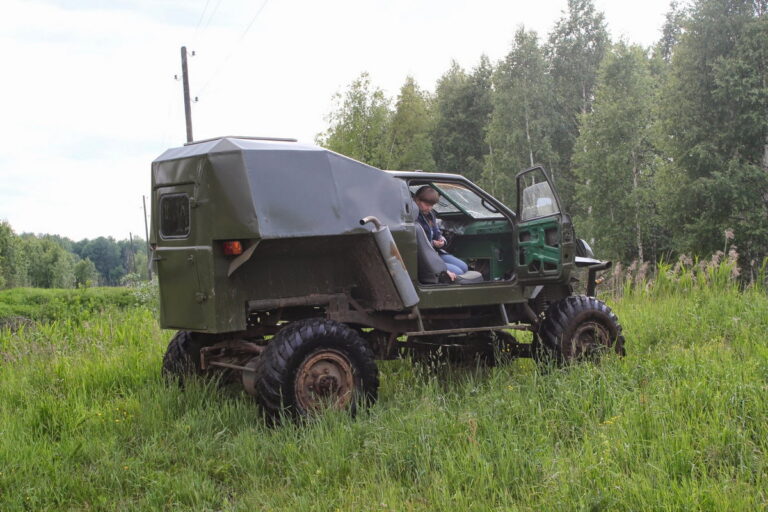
[[182, 357], [315, 364], [578, 328]]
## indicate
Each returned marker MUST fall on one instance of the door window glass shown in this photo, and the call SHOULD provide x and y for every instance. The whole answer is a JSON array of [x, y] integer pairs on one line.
[[538, 200]]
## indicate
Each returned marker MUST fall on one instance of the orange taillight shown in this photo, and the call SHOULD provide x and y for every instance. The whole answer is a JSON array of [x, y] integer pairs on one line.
[[233, 248]]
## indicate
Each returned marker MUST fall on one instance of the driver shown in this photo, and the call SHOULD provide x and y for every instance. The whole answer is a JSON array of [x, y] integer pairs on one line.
[[426, 197]]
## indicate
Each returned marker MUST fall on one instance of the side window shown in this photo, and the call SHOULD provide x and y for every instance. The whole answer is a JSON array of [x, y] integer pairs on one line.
[[174, 216], [538, 199]]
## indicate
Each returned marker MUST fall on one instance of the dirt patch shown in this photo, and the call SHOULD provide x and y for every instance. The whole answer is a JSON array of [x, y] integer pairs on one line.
[[14, 323]]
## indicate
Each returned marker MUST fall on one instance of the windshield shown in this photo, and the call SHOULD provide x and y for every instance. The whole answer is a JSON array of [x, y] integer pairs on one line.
[[456, 198]]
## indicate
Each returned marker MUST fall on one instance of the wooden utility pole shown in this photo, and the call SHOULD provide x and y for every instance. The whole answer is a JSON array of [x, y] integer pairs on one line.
[[185, 80]]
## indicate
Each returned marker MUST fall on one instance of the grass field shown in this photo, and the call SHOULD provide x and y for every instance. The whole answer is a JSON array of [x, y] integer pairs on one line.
[[681, 423], [43, 305]]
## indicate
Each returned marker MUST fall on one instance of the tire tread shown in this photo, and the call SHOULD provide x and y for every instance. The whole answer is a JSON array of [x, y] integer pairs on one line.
[[563, 316], [284, 353]]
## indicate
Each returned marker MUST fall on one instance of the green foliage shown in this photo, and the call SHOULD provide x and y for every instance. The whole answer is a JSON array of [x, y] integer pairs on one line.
[[51, 261], [576, 47], [463, 107], [518, 133], [713, 111], [139, 257], [671, 31], [360, 124], [615, 164], [107, 257], [146, 293], [654, 157], [13, 263], [71, 305], [719, 273], [86, 273], [49, 265], [678, 424], [410, 143]]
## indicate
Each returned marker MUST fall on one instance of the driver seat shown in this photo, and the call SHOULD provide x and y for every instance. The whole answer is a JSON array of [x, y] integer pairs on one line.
[[432, 267]]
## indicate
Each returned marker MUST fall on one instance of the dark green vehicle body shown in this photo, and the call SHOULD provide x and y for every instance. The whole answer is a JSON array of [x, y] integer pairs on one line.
[[251, 236], [284, 202], [296, 211]]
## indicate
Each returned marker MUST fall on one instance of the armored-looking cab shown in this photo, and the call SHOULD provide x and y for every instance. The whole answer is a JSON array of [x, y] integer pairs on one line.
[[293, 268]]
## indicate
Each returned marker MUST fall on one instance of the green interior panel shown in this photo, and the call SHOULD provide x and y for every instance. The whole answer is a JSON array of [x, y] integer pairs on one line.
[[490, 244], [488, 227], [539, 251]]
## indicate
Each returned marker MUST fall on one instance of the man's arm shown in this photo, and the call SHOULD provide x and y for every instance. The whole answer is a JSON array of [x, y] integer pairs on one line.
[[439, 240]]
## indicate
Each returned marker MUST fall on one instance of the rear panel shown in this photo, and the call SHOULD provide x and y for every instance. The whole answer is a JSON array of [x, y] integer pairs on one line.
[[182, 256]]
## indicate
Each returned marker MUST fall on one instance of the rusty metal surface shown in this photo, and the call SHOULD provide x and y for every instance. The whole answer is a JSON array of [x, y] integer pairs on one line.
[[228, 349], [251, 377], [313, 299], [325, 378], [281, 270], [231, 366], [394, 262], [588, 340], [593, 270], [490, 347], [375, 320], [515, 327]]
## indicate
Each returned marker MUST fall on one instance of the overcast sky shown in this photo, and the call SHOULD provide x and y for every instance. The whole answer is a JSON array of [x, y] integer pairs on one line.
[[88, 97]]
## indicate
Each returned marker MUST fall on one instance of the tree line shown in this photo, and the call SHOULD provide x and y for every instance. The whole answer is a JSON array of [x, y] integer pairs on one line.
[[656, 152], [52, 261]]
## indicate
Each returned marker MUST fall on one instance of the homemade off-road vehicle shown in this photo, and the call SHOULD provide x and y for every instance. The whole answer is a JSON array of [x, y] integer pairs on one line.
[[293, 268]]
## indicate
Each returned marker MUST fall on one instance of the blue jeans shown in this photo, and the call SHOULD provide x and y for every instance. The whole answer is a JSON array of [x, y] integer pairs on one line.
[[454, 264]]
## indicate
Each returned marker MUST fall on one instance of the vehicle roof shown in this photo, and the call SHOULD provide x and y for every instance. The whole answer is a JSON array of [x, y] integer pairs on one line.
[[229, 143], [427, 176], [282, 189]]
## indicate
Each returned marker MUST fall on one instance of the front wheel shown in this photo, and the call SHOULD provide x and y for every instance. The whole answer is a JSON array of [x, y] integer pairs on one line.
[[314, 364], [578, 328]]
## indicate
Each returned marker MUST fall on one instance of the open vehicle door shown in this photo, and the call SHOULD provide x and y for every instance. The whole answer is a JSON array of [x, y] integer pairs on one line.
[[545, 242]]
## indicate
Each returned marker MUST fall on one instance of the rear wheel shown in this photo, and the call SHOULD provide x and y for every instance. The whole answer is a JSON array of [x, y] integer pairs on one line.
[[578, 328], [182, 357], [314, 364]]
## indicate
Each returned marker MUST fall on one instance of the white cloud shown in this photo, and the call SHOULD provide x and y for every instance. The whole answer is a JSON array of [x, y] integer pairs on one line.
[[88, 98], [77, 198]]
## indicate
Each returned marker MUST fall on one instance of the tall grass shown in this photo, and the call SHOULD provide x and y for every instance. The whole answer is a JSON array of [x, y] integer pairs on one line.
[[717, 273], [679, 424], [43, 304]]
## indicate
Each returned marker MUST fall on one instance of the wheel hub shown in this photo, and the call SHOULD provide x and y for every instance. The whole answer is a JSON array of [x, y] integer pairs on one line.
[[590, 340], [325, 378]]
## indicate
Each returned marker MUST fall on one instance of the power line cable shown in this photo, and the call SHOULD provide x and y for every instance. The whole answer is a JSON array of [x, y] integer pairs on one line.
[[253, 20], [213, 13], [202, 15], [234, 48]]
